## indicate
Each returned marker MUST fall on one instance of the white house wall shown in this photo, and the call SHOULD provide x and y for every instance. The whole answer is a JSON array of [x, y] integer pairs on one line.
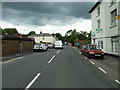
[[46, 39], [107, 30]]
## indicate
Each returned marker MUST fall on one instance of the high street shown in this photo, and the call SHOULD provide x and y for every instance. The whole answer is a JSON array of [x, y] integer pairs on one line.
[[54, 69]]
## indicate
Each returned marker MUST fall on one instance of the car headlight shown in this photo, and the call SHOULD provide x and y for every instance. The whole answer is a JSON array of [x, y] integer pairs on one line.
[[91, 53]]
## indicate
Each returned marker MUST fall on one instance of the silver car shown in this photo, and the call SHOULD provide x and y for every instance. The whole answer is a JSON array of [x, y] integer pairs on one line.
[[40, 47]]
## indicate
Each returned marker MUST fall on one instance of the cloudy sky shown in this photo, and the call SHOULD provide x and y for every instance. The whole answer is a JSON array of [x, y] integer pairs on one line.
[[48, 17]]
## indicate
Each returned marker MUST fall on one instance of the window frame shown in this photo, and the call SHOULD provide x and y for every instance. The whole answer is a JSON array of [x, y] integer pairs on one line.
[[98, 23], [113, 16]]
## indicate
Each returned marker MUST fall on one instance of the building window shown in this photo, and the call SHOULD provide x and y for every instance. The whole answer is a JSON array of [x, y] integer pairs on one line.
[[115, 45], [113, 16], [98, 10], [100, 44], [98, 23]]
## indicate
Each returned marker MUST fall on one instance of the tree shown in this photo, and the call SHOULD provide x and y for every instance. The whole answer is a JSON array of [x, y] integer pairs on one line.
[[1, 30], [31, 33], [72, 35], [59, 36], [10, 31]]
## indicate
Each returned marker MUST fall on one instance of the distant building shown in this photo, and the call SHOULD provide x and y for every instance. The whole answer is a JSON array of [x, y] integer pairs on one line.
[[44, 37], [105, 27]]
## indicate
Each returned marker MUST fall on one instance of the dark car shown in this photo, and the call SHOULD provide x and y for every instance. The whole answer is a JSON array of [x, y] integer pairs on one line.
[[50, 45], [92, 51]]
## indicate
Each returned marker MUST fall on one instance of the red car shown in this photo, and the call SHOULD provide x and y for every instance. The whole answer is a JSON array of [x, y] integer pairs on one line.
[[92, 51]]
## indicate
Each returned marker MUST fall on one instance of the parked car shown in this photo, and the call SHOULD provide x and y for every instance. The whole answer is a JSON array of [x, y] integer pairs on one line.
[[50, 45], [92, 51], [58, 45], [40, 47]]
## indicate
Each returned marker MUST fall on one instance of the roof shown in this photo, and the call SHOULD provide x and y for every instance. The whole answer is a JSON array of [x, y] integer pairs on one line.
[[95, 5], [39, 35]]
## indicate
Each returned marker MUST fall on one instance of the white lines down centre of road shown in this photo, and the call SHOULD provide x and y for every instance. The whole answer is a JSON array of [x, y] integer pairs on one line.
[[102, 70], [51, 59], [30, 84], [117, 81], [58, 51]]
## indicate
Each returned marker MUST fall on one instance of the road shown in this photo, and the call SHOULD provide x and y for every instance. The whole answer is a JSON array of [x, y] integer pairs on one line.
[[54, 69]]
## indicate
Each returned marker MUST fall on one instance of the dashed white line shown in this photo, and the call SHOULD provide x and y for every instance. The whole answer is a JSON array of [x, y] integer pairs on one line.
[[30, 84], [58, 51], [117, 81], [51, 59], [102, 70], [92, 62]]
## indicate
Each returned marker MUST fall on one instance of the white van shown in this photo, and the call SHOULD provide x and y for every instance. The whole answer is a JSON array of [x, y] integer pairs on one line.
[[58, 45]]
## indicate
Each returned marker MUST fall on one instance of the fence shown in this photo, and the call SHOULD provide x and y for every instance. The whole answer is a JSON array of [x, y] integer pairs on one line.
[[13, 44]]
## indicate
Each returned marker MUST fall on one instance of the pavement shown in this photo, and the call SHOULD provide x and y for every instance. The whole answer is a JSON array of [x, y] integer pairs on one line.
[[110, 64], [55, 69]]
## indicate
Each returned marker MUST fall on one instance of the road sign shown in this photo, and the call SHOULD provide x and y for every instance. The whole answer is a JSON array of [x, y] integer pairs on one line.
[[98, 29]]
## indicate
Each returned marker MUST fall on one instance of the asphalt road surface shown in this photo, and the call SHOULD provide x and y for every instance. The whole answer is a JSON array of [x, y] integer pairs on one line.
[[54, 69]]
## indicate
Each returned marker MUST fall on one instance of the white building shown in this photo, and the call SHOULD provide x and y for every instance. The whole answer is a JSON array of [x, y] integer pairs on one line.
[[44, 37], [105, 28]]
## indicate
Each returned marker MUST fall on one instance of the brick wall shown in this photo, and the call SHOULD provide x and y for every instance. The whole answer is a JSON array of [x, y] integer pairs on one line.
[[12, 47]]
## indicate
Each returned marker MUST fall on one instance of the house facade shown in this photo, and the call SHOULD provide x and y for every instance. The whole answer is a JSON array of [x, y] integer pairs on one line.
[[106, 26], [44, 37]]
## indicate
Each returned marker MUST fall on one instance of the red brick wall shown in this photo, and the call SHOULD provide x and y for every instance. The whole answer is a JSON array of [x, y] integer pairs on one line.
[[27, 46], [11, 47]]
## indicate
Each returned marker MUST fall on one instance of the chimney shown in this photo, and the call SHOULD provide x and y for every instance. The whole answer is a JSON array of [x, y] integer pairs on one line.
[[40, 32]]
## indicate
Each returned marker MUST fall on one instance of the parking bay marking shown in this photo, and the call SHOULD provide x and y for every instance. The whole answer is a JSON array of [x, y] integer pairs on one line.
[[30, 84], [51, 59], [117, 81], [92, 62], [102, 70]]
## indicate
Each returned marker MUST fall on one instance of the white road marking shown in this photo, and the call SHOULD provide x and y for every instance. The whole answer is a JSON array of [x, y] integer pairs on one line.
[[92, 62], [12, 60], [58, 51], [80, 53], [85, 57], [51, 59], [30, 84], [102, 70], [19, 57], [117, 81]]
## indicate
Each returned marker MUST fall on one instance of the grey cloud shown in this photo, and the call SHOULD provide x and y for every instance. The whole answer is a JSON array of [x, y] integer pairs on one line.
[[44, 13]]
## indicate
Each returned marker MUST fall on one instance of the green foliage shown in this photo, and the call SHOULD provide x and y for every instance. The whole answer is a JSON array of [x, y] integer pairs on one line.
[[31, 33], [59, 36], [72, 35], [10, 31], [1, 30]]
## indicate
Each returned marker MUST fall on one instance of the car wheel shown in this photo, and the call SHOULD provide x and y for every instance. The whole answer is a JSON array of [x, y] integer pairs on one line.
[[81, 53], [87, 55]]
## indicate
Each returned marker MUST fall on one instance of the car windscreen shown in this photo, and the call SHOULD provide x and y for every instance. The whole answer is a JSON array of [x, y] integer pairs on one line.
[[92, 47], [58, 43]]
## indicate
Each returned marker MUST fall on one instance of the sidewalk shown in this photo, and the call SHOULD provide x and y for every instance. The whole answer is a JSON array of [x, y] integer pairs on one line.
[[4, 58]]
